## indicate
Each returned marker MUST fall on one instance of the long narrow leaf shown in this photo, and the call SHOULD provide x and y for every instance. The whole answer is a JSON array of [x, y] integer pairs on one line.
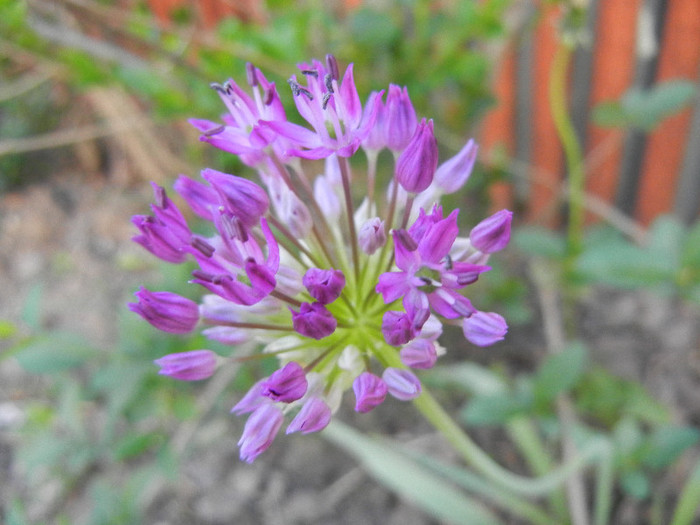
[[414, 483]]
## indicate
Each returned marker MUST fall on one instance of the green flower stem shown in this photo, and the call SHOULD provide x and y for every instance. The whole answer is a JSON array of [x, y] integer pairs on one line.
[[482, 462], [572, 149], [605, 481], [523, 433], [689, 500]]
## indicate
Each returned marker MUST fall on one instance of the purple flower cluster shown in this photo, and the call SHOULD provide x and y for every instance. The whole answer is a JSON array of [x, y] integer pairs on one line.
[[343, 295]]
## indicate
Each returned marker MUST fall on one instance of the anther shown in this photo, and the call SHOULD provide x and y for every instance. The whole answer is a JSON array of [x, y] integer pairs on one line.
[[406, 240], [202, 246], [448, 262], [251, 74], [218, 87], [328, 81], [203, 276], [214, 131], [326, 99], [297, 89], [332, 65], [269, 95], [160, 197], [310, 73]]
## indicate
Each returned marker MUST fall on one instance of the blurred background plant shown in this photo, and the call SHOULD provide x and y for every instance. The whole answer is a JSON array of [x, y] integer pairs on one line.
[[100, 90]]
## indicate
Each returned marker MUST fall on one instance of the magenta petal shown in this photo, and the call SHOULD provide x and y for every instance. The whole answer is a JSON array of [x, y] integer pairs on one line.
[[241, 197], [485, 328], [314, 416], [166, 311], [188, 366], [453, 173], [285, 385], [397, 328], [493, 233], [260, 431], [324, 285], [449, 304], [402, 384], [438, 239], [419, 353], [392, 285], [200, 197], [313, 320], [415, 167], [370, 391]]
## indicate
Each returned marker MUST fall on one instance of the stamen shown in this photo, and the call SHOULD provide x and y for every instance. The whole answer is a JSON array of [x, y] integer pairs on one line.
[[251, 74], [448, 262], [298, 89], [234, 227], [228, 87], [214, 131], [203, 276], [218, 87], [406, 240], [332, 65], [328, 81], [160, 197], [203, 246], [310, 73], [326, 99], [269, 95]]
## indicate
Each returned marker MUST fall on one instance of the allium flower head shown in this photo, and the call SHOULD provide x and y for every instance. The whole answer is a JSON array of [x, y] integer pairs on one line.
[[344, 289]]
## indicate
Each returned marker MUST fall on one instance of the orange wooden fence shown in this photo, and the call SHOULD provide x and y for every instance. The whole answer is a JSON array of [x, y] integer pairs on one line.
[[665, 177]]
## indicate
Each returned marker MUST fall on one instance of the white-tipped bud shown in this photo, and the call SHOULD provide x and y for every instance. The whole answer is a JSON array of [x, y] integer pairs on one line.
[[372, 235]]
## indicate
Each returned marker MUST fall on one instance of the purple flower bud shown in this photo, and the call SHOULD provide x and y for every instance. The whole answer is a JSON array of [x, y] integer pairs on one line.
[[370, 391], [260, 431], [285, 385], [375, 139], [188, 366], [493, 233], [454, 172], [324, 285], [484, 328], [313, 320], [419, 353], [398, 328], [241, 197], [372, 235], [399, 119], [402, 384], [415, 167], [313, 417], [166, 311]]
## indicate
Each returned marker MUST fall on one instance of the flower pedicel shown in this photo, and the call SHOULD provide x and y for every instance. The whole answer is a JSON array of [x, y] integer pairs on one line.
[[347, 291]]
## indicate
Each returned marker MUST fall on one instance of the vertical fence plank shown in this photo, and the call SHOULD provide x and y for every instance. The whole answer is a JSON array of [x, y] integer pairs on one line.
[[546, 155], [679, 58], [498, 130], [613, 73]]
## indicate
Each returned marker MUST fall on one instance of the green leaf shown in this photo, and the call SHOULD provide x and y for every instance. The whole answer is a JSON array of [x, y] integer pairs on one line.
[[540, 242], [135, 444], [690, 255], [624, 265], [559, 373], [667, 236], [667, 443], [466, 377], [31, 312], [495, 409], [411, 481], [55, 353], [645, 109], [635, 484]]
